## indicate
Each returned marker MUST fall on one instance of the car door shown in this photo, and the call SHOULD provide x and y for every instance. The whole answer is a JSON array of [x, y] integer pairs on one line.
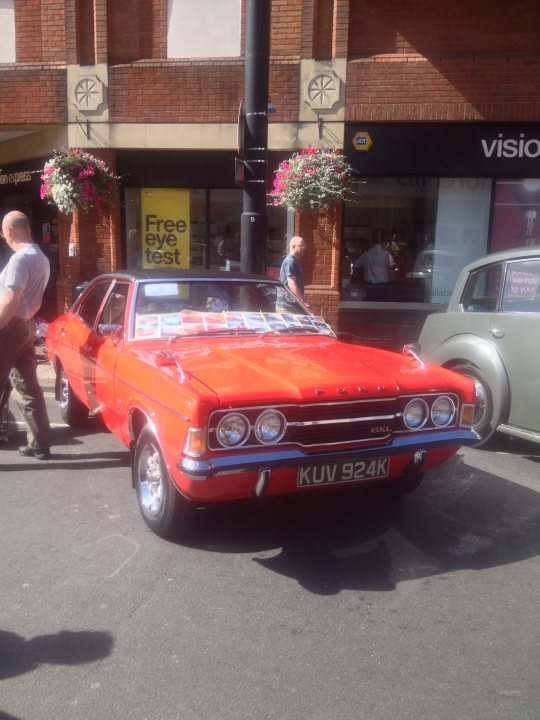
[[74, 336], [101, 352], [515, 330]]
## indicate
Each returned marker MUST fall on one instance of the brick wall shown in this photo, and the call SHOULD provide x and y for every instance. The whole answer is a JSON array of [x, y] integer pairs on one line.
[[40, 31], [286, 30], [445, 27], [412, 88], [137, 30], [443, 61], [194, 91], [176, 91], [321, 231], [32, 94]]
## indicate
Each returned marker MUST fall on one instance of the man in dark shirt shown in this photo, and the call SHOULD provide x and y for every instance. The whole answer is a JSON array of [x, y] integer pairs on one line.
[[291, 273]]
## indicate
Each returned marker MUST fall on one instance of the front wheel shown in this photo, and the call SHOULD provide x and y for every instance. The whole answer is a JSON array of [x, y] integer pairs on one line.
[[163, 509], [484, 422], [74, 413]]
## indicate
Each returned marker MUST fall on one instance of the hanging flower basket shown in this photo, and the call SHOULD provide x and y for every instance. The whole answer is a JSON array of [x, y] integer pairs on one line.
[[312, 178], [76, 180]]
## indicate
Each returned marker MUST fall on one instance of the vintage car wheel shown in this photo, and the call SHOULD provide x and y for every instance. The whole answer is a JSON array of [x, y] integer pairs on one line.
[[484, 422], [164, 510], [72, 410]]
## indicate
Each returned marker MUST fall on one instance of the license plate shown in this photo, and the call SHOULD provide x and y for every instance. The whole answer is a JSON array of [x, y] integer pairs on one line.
[[350, 471]]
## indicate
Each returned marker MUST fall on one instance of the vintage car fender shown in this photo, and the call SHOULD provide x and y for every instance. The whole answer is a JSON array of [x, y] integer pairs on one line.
[[481, 353]]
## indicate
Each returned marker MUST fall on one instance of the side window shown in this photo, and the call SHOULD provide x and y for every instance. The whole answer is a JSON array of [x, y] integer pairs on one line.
[[115, 306], [92, 302], [482, 289], [522, 286]]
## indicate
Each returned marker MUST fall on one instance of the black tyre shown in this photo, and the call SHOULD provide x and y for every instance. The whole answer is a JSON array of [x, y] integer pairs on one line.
[[72, 410], [484, 423], [164, 510]]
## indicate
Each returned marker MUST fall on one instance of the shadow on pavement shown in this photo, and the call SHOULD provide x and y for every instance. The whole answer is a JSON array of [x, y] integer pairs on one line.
[[67, 461], [366, 539], [19, 656]]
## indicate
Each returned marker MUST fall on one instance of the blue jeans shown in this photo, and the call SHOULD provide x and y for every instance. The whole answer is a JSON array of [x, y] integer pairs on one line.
[[18, 363]]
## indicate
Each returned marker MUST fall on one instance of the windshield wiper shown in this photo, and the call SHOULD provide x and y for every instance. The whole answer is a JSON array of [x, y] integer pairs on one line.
[[218, 331]]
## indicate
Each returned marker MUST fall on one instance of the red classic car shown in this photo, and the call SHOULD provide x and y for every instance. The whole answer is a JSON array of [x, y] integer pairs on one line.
[[225, 386]]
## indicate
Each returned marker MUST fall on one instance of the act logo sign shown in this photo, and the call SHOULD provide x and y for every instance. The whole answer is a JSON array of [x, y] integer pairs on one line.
[[362, 141], [165, 228]]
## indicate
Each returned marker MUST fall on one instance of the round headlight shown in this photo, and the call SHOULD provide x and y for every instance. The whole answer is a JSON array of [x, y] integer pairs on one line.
[[270, 426], [232, 430], [443, 411], [415, 414]]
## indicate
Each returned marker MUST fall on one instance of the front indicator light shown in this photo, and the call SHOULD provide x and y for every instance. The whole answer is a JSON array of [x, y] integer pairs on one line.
[[270, 427], [415, 414], [232, 430], [195, 444], [443, 411], [467, 415]]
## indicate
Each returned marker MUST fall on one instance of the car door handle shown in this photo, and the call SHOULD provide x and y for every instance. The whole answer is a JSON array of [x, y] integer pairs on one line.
[[497, 333], [86, 349]]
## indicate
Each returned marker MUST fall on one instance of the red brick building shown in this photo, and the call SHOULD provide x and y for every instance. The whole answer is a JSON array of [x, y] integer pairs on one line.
[[436, 105]]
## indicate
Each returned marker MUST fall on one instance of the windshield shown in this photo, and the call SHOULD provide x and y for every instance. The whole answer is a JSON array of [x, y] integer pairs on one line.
[[171, 308]]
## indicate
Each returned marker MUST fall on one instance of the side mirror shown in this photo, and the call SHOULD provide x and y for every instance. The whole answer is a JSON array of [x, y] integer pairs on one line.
[[112, 330]]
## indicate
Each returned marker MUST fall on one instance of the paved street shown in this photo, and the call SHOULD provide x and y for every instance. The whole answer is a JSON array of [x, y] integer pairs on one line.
[[308, 609]]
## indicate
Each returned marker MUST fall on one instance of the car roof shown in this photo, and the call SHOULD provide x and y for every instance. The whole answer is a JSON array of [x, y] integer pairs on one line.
[[504, 255], [182, 274]]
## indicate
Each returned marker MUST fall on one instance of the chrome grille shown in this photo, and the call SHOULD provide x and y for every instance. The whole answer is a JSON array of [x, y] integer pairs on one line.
[[330, 423]]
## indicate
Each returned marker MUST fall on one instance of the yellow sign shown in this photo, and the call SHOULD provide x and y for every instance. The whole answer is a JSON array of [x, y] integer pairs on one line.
[[165, 228], [362, 141]]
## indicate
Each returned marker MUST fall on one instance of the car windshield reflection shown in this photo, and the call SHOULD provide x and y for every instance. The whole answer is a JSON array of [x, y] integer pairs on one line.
[[178, 308]]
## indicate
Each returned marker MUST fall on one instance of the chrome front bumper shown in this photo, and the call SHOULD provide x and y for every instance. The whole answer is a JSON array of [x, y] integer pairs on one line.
[[294, 457]]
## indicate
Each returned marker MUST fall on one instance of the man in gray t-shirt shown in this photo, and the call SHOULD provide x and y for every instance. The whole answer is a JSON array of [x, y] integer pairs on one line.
[[22, 283]]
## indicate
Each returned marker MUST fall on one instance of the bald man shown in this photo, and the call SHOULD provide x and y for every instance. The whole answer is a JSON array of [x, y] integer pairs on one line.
[[291, 273], [22, 284]]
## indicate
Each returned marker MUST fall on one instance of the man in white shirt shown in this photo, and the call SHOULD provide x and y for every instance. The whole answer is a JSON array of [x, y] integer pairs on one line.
[[22, 284], [375, 263]]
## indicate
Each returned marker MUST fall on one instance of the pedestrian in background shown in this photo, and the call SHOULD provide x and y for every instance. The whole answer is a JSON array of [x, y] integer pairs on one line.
[[291, 273], [22, 284], [375, 263]]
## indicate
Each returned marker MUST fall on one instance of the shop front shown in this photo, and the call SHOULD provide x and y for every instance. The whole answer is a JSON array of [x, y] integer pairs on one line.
[[182, 210], [428, 199]]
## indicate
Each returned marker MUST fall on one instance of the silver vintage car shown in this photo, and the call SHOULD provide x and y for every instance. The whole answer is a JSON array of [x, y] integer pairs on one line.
[[491, 333]]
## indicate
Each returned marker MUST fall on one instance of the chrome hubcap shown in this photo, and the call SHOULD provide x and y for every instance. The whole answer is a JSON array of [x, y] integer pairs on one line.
[[150, 480], [64, 391]]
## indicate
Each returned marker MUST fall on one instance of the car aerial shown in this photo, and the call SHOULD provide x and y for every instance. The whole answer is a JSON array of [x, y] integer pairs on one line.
[[224, 386], [491, 333]]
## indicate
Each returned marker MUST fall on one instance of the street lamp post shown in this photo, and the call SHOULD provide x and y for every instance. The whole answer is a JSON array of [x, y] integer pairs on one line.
[[253, 224]]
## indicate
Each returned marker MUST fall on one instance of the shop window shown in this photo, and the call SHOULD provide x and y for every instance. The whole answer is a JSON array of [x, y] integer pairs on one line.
[[406, 239], [203, 28], [516, 214], [185, 228], [7, 37]]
